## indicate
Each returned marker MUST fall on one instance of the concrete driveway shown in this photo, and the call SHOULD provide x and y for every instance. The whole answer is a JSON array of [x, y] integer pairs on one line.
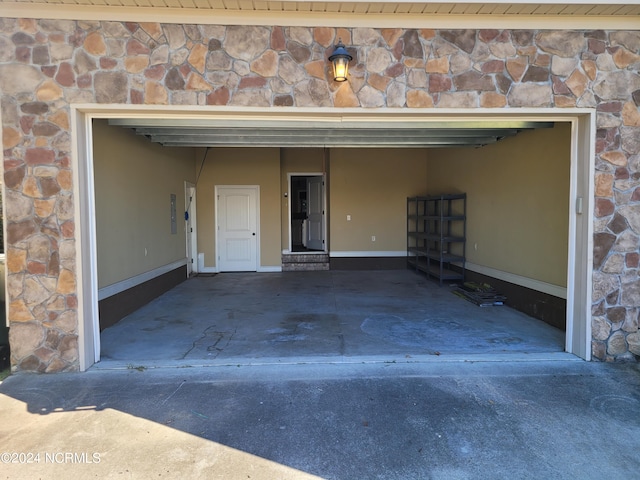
[[420, 420]]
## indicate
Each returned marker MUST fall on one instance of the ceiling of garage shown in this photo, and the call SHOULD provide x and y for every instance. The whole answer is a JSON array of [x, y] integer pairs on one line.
[[244, 133]]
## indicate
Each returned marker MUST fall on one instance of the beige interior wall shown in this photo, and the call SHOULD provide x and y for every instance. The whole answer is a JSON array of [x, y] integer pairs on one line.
[[133, 183], [372, 186], [295, 160], [517, 201], [240, 166]]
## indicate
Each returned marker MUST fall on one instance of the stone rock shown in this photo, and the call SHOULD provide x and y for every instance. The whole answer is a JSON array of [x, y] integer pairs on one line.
[[458, 100], [600, 328], [438, 65], [254, 98], [300, 53], [602, 243], [616, 158], [563, 66], [34, 293], [616, 314], [626, 38], [302, 35], [345, 97], [241, 67], [603, 285], [83, 63], [24, 338], [266, 65], [502, 50], [465, 40], [317, 69], [474, 81], [17, 79], [616, 85], [493, 66], [492, 100], [419, 99], [17, 207], [198, 57], [324, 36], [516, 68], [218, 60], [630, 138], [391, 35], [159, 56], [68, 348], [155, 93], [417, 78], [530, 95], [564, 43], [604, 185], [290, 71], [370, 97], [362, 36], [522, 37], [313, 92], [617, 345], [111, 87], [623, 58], [614, 264], [503, 83], [439, 83], [618, 224], [246, 42], [632, 214], [67, 322], [379, 82], [412, 46], [283, 101], [536, 74], [175, 35], [598, 350], [396, 95], [277, 40], [378, 59], [633, 340], [459, 63], [94, 44], [630, 115], [194, 82], [49, 91], [604, 207]]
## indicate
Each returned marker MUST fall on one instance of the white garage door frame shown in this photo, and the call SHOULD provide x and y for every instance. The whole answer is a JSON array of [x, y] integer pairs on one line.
[[581, 191]]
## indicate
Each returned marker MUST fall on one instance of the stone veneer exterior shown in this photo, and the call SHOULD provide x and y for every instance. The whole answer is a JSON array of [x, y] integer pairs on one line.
[[45, 65]]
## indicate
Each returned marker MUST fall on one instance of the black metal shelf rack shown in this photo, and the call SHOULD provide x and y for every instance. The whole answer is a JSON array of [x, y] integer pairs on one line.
[[436, 235]]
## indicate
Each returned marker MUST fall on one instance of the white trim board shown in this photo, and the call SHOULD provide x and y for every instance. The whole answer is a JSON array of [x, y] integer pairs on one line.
[[363, 254], [131, 282], [537, 285], [579, 272]]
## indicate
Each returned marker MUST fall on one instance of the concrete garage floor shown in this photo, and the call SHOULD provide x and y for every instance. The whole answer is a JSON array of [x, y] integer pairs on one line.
[[320, 317]]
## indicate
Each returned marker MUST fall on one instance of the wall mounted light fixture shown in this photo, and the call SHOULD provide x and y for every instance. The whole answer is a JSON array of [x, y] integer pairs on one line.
[[340, 59]]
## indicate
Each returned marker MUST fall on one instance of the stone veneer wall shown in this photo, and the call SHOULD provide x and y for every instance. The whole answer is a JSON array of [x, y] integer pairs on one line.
[[47, 64]]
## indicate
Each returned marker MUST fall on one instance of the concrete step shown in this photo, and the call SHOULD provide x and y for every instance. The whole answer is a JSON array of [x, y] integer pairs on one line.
[[304, 267], [305, 262], [305, 258]]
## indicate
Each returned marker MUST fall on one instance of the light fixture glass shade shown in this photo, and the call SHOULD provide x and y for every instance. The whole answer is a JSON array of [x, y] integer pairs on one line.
[[340, 59]]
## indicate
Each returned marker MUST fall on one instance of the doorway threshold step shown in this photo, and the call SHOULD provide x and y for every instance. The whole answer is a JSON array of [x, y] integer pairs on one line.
[[305, 262]]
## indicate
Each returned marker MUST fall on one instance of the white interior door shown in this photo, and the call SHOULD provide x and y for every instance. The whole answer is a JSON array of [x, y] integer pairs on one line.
[[315, 213], [237, 229]]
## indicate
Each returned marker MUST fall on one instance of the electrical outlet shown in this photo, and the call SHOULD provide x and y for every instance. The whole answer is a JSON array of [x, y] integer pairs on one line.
[[348, 218], [373, 238]]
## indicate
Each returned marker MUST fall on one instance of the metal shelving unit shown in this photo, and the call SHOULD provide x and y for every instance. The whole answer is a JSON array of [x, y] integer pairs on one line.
[[436, 235]]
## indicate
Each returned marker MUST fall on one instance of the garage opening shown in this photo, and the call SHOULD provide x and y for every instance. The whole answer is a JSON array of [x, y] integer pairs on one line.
[[346, 244]]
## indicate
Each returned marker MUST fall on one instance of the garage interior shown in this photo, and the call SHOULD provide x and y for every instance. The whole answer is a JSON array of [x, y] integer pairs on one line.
[[368, 304]]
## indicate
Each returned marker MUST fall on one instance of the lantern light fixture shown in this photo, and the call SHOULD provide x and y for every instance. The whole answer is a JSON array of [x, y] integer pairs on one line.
[[340, 59]]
